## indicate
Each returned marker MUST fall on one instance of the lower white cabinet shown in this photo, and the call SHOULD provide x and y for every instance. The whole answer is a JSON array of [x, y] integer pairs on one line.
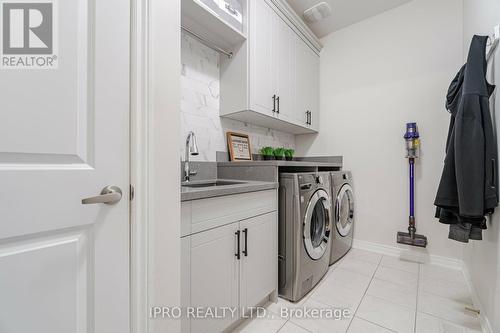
[[230, 266], [259, 263], [214, 275]]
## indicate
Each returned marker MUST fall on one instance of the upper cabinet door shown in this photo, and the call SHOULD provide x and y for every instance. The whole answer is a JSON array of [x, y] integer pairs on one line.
[[302, 85], [314, 90], [262, 72], [307, 84], [259, 265], [284, 59]]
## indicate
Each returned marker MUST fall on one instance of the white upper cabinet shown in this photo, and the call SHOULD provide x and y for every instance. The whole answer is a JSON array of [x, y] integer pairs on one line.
[[307, 84], [262, 48], [272, 79], [284, 70]]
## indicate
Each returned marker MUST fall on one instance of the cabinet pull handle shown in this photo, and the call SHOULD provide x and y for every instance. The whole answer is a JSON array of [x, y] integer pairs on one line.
[[307, 117], [278, 100], [310, 118], [274, 103], [245, 251], [238, 254], [493, 172]]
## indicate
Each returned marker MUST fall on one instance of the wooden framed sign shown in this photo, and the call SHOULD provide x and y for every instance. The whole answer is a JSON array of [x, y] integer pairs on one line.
[[239, 147]]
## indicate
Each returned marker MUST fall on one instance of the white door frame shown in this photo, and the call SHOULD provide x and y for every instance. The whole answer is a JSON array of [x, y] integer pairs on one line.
[[155, 167]]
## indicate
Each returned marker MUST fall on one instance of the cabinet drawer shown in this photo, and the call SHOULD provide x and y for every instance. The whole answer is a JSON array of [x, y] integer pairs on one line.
[[200, 215]]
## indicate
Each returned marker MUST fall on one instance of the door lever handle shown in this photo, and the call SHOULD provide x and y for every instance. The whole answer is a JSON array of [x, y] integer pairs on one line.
[[109, 196]]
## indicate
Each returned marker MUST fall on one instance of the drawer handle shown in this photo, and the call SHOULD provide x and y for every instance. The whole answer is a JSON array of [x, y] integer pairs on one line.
[[245, 252], [278, 101], [238, 254], [274, 103]]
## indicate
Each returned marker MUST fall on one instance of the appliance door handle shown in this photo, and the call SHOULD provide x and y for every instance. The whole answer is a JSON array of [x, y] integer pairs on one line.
[[274, 103], [278, 100], [306, 186], [238, 251], [245, 251], [109, 196]]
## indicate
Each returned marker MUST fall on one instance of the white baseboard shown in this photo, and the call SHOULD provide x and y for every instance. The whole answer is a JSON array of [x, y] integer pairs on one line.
[[422, 256], [485, 323], [409, 253]]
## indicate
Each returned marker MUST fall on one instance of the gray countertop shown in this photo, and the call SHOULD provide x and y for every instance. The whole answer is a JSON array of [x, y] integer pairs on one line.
[[278, 163], [244, 186]]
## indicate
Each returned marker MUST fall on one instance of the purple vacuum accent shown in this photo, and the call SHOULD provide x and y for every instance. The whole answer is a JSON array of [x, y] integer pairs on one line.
[[412, 147], [411, 131], [412, 187]]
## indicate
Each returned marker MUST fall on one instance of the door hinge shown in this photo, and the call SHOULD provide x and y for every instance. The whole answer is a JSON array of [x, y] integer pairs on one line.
[[132, 192]]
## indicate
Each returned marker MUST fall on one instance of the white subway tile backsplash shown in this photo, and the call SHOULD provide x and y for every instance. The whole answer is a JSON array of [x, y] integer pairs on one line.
[[200, 106]]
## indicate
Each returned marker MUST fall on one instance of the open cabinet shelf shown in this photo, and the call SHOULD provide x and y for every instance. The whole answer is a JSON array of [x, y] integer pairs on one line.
[[203, 21]]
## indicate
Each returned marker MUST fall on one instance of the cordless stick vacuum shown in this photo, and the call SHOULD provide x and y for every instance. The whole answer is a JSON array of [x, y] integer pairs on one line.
[[412, 145]]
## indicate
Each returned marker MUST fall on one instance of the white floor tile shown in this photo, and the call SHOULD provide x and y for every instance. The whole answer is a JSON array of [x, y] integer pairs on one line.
[[430, 324], [347, 279], [364, 255], [433, 272], [324, 324], [457, 291], [381, 291], [401, 264], [285, 304], [447, 309], [261, 325], [292, 328], [403, 278], [393, 292], [359, 325], [358, 266], [334, 294], [386, 314]]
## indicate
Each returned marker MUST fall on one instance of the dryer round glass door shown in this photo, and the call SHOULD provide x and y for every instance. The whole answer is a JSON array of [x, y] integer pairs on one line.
[[317, 225], [344, 210]]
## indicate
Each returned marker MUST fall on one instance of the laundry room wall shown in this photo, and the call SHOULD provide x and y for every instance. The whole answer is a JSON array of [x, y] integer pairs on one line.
[[482, 258], [376, 76], [200, 75]]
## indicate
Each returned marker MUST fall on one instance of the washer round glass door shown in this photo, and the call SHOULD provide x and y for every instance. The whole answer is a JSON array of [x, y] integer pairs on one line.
[[344, 210], [317, 225]]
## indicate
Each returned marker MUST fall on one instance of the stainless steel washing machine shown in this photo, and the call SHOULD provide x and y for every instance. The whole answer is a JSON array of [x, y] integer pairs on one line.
[[343, 217], [305, 218]]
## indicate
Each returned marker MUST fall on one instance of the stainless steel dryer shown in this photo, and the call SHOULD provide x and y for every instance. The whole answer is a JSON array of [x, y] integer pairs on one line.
[[343, 217], [305, 217]]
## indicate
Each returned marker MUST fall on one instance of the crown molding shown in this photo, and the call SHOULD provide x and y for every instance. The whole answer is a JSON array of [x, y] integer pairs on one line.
[[300, 26]]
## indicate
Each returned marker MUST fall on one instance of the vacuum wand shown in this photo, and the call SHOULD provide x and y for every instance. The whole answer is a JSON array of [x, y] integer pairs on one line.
[[411, 223], [411, 237]]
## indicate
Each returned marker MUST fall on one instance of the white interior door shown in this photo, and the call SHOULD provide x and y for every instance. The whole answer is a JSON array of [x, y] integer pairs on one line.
[[64, 136]]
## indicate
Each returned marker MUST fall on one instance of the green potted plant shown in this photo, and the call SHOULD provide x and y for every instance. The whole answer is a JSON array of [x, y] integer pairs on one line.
[[289, 154], [267, 153], [279, 153]]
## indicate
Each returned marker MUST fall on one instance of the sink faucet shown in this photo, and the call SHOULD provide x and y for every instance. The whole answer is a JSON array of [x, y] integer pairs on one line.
[[191, 149]]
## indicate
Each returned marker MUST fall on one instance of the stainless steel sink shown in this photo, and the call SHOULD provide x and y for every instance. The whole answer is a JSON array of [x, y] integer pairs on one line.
[[210, 183]]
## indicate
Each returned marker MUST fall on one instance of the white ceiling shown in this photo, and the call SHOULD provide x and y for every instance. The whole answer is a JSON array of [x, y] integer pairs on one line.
[[344, 12]]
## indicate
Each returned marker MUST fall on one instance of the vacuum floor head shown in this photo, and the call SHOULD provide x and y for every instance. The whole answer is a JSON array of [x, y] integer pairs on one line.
[[417, 240]]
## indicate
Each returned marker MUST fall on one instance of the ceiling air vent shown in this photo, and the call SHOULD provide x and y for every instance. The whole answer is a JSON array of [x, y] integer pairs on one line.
[[317, 12]]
